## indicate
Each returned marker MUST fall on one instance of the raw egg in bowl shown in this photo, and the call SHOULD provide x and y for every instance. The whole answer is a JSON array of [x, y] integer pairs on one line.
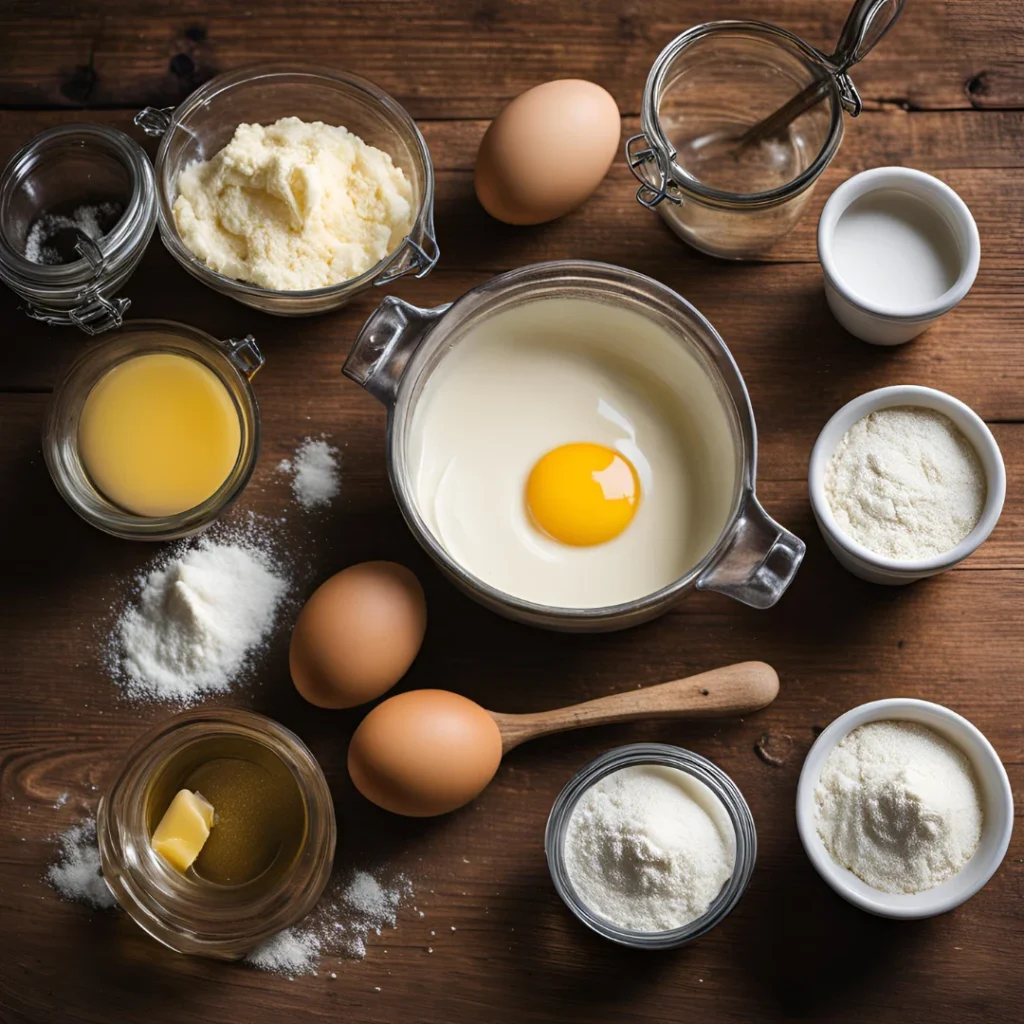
[[573, 444]]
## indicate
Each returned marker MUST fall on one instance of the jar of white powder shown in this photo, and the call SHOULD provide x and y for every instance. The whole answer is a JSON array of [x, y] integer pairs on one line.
[[905, 482], [650, 845]]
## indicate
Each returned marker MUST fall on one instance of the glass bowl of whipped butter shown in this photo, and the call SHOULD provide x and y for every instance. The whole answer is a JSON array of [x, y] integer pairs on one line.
[[155, 430], [650, 845], [259, 176]]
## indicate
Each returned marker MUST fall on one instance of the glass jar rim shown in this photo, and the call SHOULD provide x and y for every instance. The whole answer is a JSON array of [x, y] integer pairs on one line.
[[687, 184], [116, 521], [423, 222], [135, 222], [699, 768]]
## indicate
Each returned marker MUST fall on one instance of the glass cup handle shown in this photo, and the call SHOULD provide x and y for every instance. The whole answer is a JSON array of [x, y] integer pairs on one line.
[[244, 354], [383, 347], [759, 561]]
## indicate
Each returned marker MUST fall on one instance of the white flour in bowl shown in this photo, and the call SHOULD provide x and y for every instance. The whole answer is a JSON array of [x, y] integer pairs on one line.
[[899, 806], [905, 483], [649, 848]]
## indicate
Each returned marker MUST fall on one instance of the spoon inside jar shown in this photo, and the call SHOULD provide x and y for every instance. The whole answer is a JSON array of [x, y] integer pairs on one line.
[[865, 25], [427, 752]]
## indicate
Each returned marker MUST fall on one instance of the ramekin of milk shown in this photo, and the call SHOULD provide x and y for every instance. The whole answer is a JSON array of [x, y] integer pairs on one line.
[[899, 249]]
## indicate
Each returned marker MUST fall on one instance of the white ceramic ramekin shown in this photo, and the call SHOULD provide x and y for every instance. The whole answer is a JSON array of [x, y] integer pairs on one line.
[[874, 321], [860, 560], [996, 795]]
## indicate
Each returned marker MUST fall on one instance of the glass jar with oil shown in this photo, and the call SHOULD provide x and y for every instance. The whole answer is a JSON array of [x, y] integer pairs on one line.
[[270, 847], [154, 431]]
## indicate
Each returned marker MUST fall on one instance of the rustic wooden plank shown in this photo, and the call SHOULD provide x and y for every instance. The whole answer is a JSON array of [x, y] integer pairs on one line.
[[835, 640], [945, 93], [963, 54]]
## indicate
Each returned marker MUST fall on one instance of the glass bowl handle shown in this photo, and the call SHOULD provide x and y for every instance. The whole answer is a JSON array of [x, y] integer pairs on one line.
[[759, 561], [394, 330], [417, 254], [154, 121]]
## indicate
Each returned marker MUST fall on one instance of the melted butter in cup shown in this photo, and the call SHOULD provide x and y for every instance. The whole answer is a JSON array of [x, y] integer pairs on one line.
[[159, 434]]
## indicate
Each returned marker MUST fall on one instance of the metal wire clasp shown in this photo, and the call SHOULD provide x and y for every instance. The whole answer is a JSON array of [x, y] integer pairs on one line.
[[649, 194]]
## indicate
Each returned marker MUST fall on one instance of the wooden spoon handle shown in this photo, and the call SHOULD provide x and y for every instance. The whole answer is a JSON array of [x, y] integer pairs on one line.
[[732, 690]]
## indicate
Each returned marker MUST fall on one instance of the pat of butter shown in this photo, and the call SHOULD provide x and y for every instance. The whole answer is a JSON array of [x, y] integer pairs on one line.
[[184, 829]]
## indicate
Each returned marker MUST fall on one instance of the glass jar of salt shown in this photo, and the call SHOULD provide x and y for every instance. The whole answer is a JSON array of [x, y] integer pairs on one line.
[[77, 210]]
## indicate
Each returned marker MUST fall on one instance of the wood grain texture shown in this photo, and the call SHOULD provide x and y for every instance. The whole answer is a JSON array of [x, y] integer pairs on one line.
[[945, 92]]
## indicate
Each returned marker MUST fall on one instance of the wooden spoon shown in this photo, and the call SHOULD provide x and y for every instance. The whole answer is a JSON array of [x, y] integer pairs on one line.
[[427, 752], [732, 690]]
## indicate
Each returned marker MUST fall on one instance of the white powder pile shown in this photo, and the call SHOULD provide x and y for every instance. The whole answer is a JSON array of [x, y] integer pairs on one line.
[[316, 479], [76, 875], [649, 848], [905, 483], [341, 924], [198, 617], [52, 236], [899, 806]]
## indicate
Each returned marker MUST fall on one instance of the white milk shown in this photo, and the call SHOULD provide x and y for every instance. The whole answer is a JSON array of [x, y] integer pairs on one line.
[[894, 249], [551, 372]]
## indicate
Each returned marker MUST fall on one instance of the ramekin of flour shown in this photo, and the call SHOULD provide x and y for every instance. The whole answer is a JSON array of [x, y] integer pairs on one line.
[[904, 808], [290, 188], [650, 845], [905, 482]]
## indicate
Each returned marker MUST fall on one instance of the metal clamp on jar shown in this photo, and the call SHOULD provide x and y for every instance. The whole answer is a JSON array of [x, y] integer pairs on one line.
[[54, 180], [739, 120]]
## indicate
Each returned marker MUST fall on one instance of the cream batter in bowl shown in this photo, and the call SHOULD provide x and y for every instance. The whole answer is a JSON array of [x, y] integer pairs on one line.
[[573, 444], [206, 123]]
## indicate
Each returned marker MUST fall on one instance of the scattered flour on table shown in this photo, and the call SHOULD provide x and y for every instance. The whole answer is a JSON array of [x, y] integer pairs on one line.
[[649, 847], [198, 617], [905, 483], [899, 806], [341, 923], [76, 874], [316, 479]]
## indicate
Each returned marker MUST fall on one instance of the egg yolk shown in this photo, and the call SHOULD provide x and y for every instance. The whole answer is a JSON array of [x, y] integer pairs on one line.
[[582, 494]]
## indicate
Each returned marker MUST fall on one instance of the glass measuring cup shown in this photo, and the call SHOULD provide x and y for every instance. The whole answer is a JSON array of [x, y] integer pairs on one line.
[[739, 120]]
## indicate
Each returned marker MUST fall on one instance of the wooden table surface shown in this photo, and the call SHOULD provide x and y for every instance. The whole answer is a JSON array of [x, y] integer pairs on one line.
[[944, 93]]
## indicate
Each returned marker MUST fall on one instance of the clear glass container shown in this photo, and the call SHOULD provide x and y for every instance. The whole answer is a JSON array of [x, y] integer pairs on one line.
[[206, 121], [708, 87], [187, 913], [753, 560], [235, 362], [60, 169], [699, 768]]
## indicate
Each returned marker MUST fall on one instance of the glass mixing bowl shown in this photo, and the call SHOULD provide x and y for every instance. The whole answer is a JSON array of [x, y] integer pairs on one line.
[[206, 121]]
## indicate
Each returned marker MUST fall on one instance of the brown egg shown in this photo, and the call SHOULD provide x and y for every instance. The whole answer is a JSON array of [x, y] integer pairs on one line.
[[357, 634], [424, 752], [547, 151]]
